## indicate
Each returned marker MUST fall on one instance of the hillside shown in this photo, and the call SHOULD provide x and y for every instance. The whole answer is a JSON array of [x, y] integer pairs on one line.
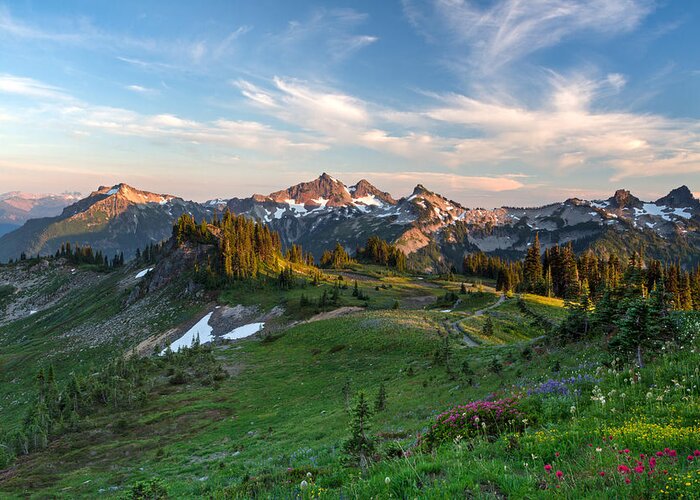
[[112, 219], [273, 423]]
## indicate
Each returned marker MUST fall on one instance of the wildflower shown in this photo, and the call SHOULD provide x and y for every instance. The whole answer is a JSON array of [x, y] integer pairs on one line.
[[696, 453], [559, 474], [308, 474], [659, 453], [623, 469], [672, 453], [690, 458], [556, 454], [304, 485], [627, 480], [601, 473], [639, 469], [548, 468], [626, 451], [599, 449], [387, 480]]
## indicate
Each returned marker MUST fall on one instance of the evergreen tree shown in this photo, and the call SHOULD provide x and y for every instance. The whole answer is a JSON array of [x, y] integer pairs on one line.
[[359, 447]]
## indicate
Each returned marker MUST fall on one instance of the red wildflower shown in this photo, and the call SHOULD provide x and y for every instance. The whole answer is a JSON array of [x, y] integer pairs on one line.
[[696, 453], [659, 453], [556, 454], [623, 469], [548, 468], [639, 469], [601, 473], [628, 481], [559, 474], [672, 453], [690, 458], [626, 450]]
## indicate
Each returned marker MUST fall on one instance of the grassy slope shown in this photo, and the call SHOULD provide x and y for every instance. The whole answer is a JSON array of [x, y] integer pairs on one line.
[[41, 340], [283, 409], [282, 414]]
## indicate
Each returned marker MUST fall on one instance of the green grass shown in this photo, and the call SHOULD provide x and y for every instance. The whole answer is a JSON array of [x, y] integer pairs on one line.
[[282, 413]]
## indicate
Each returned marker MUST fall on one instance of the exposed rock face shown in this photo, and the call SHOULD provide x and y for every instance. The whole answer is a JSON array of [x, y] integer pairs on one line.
[[679, 198]]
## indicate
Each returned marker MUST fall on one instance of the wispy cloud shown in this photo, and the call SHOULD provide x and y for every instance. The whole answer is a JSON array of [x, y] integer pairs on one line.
[[178, 53], [334, 31], [28, 87], [53, 106], [139, 89], [568, 130], [501, 32]]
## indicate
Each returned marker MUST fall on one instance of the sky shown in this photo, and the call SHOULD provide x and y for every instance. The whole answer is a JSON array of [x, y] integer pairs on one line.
[[500, 102]]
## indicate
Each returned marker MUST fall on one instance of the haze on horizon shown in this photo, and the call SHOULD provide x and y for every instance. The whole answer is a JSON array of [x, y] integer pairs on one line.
[[490, 103]]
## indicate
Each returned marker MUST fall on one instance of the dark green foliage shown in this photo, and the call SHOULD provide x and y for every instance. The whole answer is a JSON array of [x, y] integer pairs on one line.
[[495, 366], [380, 402], [121, 384], [378, 251], [152, 489], [360, 446], [336, 259], [487, 329], [76, 254]]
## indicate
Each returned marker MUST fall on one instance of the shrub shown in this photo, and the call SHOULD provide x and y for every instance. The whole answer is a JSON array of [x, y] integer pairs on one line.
[[477, 417], [153, 489]]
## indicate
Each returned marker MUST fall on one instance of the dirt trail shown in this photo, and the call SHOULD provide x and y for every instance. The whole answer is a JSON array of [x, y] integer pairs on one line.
[[335, 313], [500, 301], [454, 326]]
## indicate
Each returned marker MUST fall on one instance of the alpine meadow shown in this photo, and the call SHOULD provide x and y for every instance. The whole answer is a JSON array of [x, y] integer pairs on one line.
[[482, 281]]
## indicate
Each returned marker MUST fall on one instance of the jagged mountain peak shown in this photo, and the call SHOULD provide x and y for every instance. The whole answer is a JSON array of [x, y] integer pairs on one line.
[[325, 190], [129, 194], [679, 198], [623, 198], [365, 189]]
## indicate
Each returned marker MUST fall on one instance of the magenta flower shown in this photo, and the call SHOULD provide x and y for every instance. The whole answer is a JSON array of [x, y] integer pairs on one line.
[[548, 468], [559, 474]]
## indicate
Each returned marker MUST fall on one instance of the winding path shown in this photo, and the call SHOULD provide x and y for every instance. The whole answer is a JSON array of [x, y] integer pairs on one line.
[[455, 325]]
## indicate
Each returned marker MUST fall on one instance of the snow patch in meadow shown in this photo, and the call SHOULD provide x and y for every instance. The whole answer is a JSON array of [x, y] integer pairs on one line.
[[143, 273], [244, 331], [204, 332], [201, 330]]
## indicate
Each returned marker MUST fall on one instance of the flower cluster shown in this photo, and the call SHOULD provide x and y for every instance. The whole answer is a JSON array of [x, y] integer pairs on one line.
[[563, 386], [647, 434], [477, 417]]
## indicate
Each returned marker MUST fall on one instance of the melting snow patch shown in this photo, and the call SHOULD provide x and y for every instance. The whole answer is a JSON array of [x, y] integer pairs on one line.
[[279, 213], [143, 273], [298, 207], [681, 212], [201, 330], [112, 191], [446, 311], [244, 331], [370, 199], [33, 311]]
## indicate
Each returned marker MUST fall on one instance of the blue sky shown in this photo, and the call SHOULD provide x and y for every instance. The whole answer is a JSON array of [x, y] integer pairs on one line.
[[488, 102]]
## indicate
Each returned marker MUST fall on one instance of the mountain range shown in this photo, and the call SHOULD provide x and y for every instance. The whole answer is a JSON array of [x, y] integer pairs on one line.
[[434, 231], [16, 207]]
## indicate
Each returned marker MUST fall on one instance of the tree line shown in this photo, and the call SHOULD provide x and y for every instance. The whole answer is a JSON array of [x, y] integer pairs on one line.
[[559, 272]]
